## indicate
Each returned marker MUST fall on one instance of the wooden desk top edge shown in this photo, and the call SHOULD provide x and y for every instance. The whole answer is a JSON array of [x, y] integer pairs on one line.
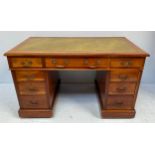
[[15, 52]]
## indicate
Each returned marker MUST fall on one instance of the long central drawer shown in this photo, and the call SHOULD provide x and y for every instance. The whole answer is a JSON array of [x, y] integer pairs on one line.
[[91, 63]]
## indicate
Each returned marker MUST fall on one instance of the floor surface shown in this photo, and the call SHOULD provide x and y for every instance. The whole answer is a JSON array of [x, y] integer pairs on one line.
[[77, 103]]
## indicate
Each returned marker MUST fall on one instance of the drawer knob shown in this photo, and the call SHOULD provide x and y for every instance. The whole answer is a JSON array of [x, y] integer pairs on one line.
[[60, 66], [92, 67], [85, 62], [121, 89], [54, 61], [126, 63], [32, 89], [119, 102], [33, 102], [96, 63], [27, 63], [123, 77], [29, 77]]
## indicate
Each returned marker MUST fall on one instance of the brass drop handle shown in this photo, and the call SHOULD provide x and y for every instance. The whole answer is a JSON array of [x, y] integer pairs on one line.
[[26, 63], [92, 67], [85, 62], [123, 76], [126, 63], [121, 89], [60, 66], [32, 89], [119, 102], [33, 102], [30, 77], [54, 61]]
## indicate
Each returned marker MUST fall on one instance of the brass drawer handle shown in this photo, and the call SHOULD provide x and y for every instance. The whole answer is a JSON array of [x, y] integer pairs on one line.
[[119, 103], [33, 102], [32, 89], [86, 62], [54, 61], [60, 66], [30, 77], [123, 77], [27, 63], [121, 89], [126, 63], [92, 67]]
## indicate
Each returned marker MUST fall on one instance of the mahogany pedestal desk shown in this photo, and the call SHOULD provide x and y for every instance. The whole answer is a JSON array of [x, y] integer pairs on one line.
[[35, 64]]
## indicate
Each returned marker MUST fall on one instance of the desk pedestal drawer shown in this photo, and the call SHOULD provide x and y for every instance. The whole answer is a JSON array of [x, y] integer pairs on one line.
[[122, 88], [124, 75], [29, 76], [120, 102], [33, 102], [31, 88]]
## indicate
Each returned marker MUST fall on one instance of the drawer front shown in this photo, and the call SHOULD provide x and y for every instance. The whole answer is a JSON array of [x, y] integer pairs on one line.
[[124, 75], [29, 76], [122, 88], [91, 63], [127, 62], [26, 62], [120, 102], [32, 88], [33, 102]]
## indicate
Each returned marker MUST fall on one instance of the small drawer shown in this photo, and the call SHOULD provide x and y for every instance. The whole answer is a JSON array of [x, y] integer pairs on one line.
[[31, 88], [91, 63], [29, 76], [26, 62], [33, 102], [120, 102], [122, 88], [130, 75], [127, 62]]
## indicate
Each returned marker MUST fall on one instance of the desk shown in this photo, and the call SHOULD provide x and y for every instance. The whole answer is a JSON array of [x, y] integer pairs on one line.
[[35, 64]]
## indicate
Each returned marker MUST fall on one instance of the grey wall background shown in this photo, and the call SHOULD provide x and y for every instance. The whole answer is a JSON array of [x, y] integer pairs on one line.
[[144, 39]]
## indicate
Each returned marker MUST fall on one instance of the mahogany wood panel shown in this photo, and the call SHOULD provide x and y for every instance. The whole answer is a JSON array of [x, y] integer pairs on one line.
[[35, 113], [121, 113]]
